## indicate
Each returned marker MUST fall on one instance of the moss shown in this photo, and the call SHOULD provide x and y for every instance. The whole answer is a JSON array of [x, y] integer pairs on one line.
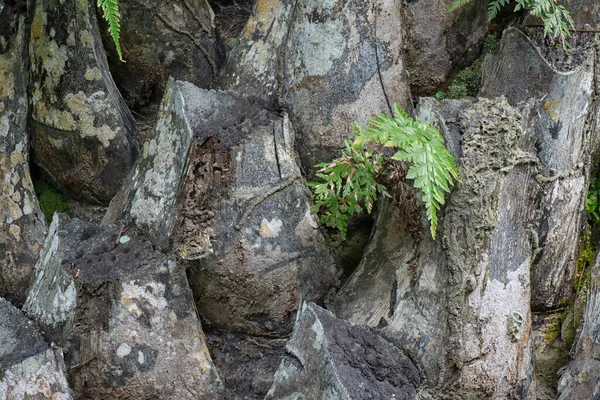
[[50, 199], [552, 331], [491, 44], [468, 81]]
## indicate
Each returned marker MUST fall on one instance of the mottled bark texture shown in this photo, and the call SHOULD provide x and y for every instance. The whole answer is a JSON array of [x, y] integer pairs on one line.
[[440, 43], [580, 379], [330, 358], [245, 226], [460, 305], [84, 137], [122, 312], [328, 63], [566, 136], [30, 367], [149, 194], [162, 39], [562, 93], [509, 232], [22, 225]]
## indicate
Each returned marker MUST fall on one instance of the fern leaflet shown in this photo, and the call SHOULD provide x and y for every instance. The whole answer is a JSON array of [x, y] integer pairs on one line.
[[432, 169], [110, 9]]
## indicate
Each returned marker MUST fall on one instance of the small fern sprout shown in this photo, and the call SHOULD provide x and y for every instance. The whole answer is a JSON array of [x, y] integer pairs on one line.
[[350, 181], [110, 12]]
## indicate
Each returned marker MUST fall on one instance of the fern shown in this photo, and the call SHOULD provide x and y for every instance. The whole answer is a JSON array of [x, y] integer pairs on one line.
[[456, 4], [349, 184], [495, 6], [556, 19], [110, 9], [432, 169]]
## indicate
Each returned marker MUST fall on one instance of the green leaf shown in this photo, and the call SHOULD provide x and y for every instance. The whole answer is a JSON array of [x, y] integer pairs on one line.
[[110, 9], [432, 169]]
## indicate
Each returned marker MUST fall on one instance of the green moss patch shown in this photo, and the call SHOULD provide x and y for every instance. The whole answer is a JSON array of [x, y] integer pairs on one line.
[[50, 199], [468, 81]]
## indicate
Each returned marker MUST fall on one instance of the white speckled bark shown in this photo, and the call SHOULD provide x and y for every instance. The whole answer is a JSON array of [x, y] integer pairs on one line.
[[22, 225]]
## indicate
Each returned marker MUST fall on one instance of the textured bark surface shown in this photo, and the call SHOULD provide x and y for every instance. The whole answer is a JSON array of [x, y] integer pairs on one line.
[[122, 312], [161, 40], [245, 223], [343, 63], [460, 306], [580, 379], [440, 43], [84, 136], [565, 136], [330, 358], [329, 64], [22, 225], [30, 368], [218, 199], [149, 194], [255, 65]]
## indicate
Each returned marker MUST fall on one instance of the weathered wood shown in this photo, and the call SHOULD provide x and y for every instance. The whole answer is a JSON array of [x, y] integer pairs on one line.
[[150, 191], [22, 225], [245, 226], [460, 305], [30, 367], [329, 358], [123, 313], [84, 136], [563, 110], [329, 64], [343, 64], [160, 40]]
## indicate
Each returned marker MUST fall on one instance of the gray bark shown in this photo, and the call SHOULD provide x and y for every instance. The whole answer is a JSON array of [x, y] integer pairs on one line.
[[22, 225], [160, 40], [328, 64], [244, 222], [122, 312], [30, 368], [149, 194], [330, 358], [565, 106], [84, 137]]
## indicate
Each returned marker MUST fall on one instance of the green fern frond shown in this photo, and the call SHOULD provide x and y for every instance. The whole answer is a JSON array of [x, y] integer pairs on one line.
[[495, 6], [349, 181], [432, 166], [110, 9], [348, 186], [456, 4], [557, 21]]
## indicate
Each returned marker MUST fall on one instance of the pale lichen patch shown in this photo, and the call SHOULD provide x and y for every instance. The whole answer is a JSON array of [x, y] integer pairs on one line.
[[150, 294], [123, 350], [4, 125], [270, 229], [84, 108], [322, 46], [39, 376], [15, 231], [93, 74], [86, 38]]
